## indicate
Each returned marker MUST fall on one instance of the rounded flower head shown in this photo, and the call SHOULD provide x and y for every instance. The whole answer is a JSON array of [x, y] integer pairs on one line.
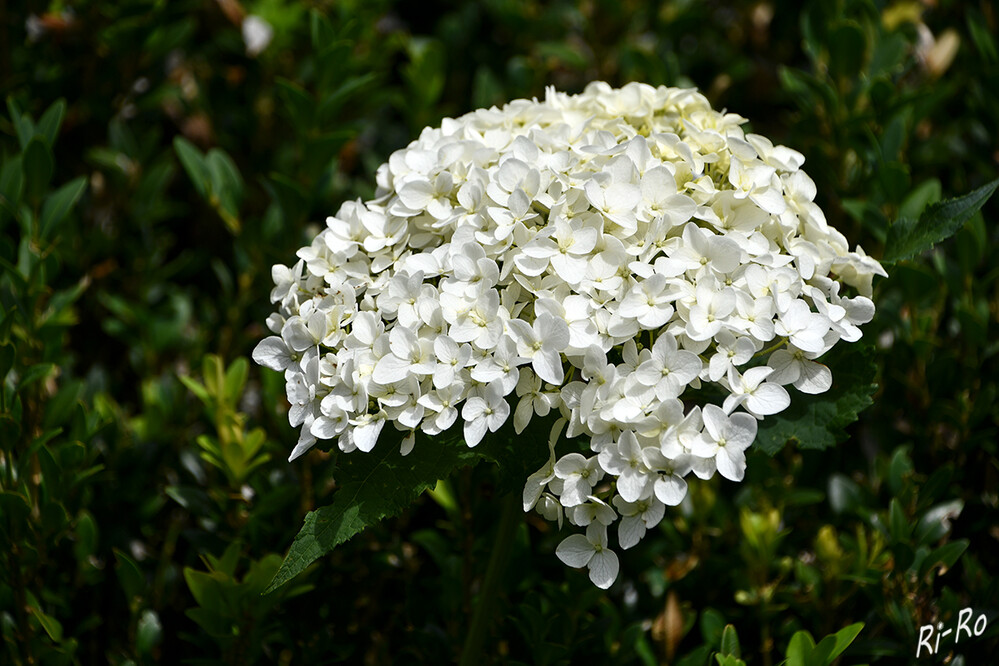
[[603, 257]]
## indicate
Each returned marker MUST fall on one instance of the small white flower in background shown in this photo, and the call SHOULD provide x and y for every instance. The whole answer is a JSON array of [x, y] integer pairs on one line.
[[257, 34], [598, 257]]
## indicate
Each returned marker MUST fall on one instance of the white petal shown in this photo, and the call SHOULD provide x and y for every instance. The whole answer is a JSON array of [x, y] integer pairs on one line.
[[731, 464], [603, 568], [741, 431], [407, 444], [366, 436], [273, 353], [630, 531], [548, 364], [475, 430], [552, 331], [815, 378], [622, 197], [631, 484], [575, 551], [768, 399], [786, 368], [305, 442], [670, 490], [391, 369]]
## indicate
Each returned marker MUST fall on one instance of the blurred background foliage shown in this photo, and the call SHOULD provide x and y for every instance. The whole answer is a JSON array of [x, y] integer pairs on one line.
[[158, 157]]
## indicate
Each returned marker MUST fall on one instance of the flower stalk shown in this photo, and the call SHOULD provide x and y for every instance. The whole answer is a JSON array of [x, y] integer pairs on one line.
[[488, 594]]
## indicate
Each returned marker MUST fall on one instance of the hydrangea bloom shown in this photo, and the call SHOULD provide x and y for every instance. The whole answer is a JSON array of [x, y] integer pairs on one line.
[[598, 256]]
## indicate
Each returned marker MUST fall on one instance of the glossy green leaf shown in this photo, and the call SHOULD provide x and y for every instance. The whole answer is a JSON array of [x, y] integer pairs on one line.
[[51, 625], [194, 164], [50, 122], [226, 187], [898, 522], [6, 360], [38, 166], [848, 49], [35, 373], [11, 188], [23, 126], [843, 639], [799, 650], [730, 642], [908, 238], [14, 504], [235, 380], [712, 625], [197, 388], [298, 103], [130, 576], [946, 555], [58, 204], [85, 531]]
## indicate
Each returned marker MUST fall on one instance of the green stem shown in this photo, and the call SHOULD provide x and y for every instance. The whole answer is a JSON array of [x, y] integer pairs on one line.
[[774, 347], [505, 533]]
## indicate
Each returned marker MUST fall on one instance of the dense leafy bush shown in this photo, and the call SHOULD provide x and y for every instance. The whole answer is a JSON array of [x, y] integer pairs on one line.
[[159, 158]]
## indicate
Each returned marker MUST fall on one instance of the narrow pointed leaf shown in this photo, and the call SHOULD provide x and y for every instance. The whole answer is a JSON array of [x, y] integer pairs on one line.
[[938, 222], [59, 203]]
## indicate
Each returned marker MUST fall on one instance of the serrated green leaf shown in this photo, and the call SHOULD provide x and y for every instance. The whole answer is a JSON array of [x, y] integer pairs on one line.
[[58, 204], [908, 237], [818, 421], [382, 483], [378, 484]]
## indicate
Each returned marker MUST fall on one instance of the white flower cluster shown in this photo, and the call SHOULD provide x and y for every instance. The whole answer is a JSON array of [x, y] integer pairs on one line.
[[596, 256]]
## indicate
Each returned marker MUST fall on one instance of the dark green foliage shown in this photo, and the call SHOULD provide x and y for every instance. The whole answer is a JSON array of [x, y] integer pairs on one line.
[[819, 421], [908, 237], [151, 172]]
